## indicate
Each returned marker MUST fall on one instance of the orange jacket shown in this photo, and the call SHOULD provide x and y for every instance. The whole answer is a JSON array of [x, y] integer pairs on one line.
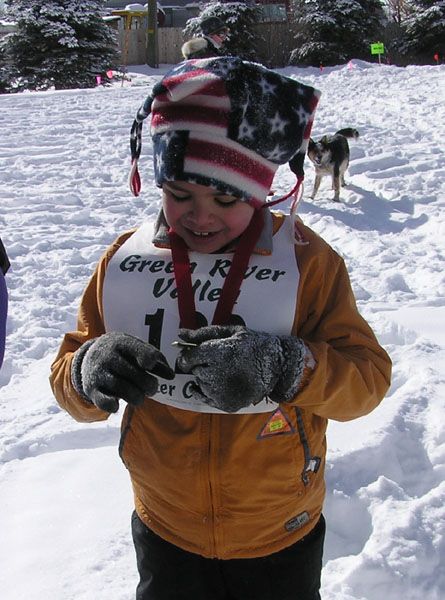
[[247, 485]]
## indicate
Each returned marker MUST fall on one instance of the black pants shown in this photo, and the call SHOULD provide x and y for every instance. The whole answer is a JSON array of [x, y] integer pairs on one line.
[[169, 573]]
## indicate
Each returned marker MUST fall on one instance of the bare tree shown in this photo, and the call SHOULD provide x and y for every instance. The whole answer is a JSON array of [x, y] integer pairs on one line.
[[399, 10]]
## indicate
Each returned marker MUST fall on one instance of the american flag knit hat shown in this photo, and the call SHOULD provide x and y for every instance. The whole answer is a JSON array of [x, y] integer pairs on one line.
[[225, 123]]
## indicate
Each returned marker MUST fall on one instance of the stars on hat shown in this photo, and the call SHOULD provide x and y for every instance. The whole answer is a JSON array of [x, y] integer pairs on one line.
[[245, 130], [159, 162], [223, 66], [245, 106], [276, 154], [164, 154], [266, 86], [168, 136], [302, 114], [277, 123]]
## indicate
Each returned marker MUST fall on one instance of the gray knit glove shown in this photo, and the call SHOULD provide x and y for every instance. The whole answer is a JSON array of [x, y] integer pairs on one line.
[[117, 365], [235, 366]]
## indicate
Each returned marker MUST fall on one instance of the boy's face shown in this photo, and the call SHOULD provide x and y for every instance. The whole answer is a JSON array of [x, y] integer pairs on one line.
[[207, 220]]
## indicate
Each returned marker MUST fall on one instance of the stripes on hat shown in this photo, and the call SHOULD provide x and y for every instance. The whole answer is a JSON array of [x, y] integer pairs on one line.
[[194, 104], [186, 117], [230, 163]]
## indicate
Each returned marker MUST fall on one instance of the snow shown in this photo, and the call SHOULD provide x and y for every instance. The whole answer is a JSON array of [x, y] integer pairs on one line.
[[66, 497]]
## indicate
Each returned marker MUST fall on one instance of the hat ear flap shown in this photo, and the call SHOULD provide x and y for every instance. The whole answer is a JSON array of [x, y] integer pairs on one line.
[[296, 164], [136, 145]]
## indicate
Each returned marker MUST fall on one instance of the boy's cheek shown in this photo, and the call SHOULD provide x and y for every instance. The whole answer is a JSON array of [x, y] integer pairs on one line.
[[171, 213]]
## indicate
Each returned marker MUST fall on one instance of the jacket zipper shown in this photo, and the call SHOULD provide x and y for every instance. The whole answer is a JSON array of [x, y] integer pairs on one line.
[[311, 463]]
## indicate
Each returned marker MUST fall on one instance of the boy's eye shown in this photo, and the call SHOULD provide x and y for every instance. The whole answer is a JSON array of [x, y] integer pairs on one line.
[[179, 197], [226, 200]]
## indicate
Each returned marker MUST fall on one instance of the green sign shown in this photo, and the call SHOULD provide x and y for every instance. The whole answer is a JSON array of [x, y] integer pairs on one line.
[[377, 48]]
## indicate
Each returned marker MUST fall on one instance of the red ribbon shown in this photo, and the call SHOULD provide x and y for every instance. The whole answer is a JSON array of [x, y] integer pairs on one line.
[[232, 283]]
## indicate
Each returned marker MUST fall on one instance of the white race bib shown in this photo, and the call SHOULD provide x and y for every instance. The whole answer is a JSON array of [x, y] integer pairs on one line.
[[140, 298]]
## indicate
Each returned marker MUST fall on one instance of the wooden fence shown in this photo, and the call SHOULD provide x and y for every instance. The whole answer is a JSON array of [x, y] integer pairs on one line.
[[274, 48], [276, 43]]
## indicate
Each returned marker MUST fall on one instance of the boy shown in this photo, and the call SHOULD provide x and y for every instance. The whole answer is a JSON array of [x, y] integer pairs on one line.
[[227, 451]]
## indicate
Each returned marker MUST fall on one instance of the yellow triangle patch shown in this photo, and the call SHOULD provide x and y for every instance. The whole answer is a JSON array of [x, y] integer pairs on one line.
[[277, 424]]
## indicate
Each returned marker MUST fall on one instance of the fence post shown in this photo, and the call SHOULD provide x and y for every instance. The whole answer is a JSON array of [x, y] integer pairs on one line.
[[152, 34]]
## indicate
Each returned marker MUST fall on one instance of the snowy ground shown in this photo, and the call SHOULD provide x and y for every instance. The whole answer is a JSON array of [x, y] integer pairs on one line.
[[65, 496]]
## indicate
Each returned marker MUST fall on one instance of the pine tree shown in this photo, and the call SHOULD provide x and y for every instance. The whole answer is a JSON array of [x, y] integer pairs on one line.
[[240, 19], [5, 72], [334, 31], [423, 32], [60, 43]]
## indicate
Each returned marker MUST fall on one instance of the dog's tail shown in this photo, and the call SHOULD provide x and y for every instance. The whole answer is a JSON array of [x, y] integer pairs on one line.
[[348, 132]]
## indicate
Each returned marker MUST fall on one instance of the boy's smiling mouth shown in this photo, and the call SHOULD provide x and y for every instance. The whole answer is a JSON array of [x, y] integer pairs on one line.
[[203, 233]]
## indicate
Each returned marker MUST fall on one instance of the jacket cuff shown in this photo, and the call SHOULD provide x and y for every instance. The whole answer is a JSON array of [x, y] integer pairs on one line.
[[76, 368]]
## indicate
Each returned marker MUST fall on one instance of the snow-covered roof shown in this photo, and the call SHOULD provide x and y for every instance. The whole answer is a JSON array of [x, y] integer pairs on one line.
[[135, 7]]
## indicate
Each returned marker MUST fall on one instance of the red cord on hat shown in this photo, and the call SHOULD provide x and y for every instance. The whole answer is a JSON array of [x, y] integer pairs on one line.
[[294, 192], [134, 179]]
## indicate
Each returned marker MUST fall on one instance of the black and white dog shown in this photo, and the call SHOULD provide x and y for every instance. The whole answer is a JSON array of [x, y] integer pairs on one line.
[[330, 156]]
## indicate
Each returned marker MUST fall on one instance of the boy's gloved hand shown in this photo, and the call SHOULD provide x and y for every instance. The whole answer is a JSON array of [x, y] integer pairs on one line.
[[235, 366], [117, 365]]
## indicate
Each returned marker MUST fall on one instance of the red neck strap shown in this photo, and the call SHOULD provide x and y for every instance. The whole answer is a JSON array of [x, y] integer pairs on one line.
[[232, 283]]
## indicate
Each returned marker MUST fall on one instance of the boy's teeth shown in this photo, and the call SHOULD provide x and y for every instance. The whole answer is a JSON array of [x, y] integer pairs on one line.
[[201, 233]]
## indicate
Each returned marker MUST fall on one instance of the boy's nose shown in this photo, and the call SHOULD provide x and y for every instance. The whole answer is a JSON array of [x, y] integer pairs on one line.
[[200, 213]]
